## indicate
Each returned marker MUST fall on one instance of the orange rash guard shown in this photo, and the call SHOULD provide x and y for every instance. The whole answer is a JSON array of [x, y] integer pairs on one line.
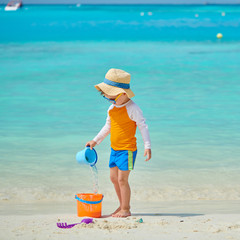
[[123, 130], [121, 123]]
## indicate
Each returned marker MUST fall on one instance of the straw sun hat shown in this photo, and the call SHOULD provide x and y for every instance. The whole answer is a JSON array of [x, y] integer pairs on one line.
[[116, 81]]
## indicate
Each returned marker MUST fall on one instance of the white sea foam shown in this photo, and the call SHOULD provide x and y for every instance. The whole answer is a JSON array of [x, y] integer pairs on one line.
[[169, 193], [158, 185]]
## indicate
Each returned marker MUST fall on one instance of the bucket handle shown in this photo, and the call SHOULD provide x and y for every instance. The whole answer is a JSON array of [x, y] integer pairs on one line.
[[88, 202]]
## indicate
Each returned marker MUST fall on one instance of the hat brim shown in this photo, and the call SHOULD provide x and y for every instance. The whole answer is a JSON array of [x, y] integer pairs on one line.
[[113, 91]]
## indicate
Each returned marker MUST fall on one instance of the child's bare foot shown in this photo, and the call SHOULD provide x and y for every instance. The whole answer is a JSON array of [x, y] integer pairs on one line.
[[116, 211], [122, 214]]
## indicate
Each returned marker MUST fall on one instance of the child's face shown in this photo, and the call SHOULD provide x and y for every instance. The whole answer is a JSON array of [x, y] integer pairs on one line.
[[120, 98]]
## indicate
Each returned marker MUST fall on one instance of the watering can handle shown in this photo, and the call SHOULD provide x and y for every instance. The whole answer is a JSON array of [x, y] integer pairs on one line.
[[88, 202]]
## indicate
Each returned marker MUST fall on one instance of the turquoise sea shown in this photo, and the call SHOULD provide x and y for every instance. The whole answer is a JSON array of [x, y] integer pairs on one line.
[[186, 81]]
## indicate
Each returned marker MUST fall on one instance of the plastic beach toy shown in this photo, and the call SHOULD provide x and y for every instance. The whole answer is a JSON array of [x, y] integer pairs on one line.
[[65, 225], [140, 220], [89, 205], [87, 156]]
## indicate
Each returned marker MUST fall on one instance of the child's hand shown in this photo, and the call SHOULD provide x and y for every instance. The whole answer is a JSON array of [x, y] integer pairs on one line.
[[148, 153], [91, 144]]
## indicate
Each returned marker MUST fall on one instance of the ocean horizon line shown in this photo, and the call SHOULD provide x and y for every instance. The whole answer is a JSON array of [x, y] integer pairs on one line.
[[130, 4]]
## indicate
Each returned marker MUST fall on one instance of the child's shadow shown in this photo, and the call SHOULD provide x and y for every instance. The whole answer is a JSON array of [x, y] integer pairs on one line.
[[160, 214], [167, 214], [106, 216]]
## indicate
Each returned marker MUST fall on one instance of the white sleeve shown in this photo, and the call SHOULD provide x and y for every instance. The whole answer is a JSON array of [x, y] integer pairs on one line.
[[135, 114], [104, 131]]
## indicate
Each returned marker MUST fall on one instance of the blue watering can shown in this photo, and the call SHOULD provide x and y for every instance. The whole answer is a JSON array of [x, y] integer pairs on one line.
[[87, 156]]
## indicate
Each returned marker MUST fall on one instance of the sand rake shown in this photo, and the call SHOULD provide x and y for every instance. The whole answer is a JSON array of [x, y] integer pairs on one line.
[[65, 225]]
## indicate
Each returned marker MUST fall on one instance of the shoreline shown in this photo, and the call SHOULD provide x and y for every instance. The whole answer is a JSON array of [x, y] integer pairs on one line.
[[150, 208]]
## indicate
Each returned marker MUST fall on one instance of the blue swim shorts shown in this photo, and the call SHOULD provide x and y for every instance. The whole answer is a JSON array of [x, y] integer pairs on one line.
[[123, 159]]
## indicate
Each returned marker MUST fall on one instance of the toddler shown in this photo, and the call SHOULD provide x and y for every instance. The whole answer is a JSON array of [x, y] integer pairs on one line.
[[122, 119]]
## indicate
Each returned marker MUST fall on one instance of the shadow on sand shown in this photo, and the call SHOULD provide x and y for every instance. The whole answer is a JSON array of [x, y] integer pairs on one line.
[[160, 214], [167, 214]]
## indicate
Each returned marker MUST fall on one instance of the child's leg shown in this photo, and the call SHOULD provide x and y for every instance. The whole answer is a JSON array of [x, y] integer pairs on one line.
[[114, 179], [125, 194]]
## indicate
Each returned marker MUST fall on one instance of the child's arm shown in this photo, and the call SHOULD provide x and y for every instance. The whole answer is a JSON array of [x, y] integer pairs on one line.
[[143, 127], [135, 113], [101, 135]]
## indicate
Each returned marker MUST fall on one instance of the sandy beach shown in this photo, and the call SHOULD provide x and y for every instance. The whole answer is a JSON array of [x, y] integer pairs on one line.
[[185, 220]]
